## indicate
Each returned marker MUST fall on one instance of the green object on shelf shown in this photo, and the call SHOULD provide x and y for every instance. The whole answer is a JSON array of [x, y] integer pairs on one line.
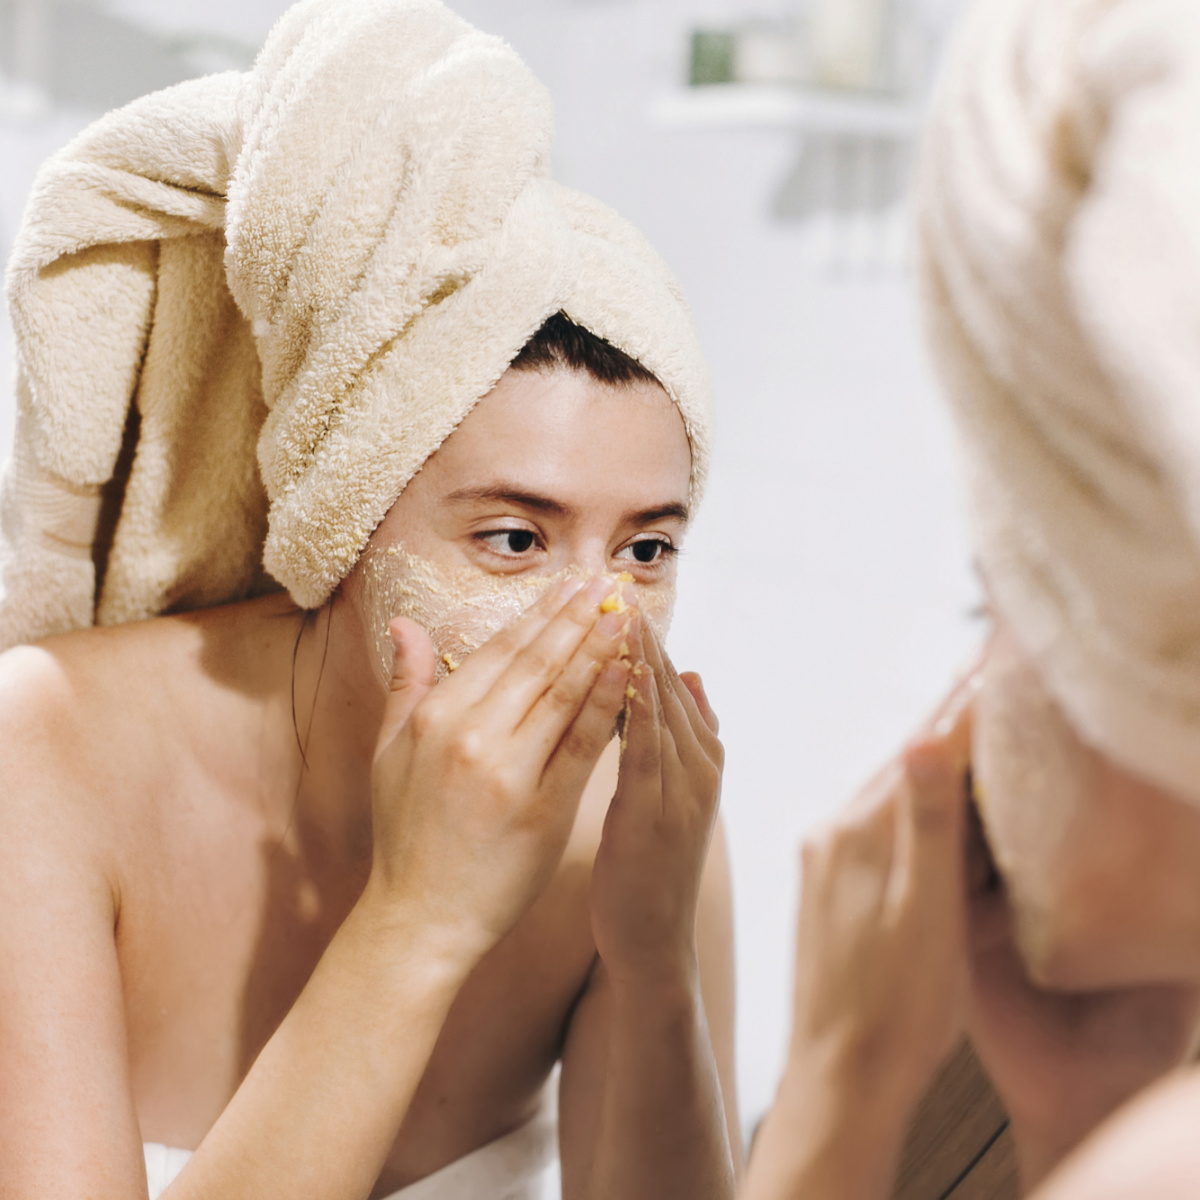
[[712, 57]]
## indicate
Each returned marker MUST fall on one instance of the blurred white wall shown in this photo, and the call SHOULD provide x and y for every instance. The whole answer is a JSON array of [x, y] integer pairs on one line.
[[826, 589]]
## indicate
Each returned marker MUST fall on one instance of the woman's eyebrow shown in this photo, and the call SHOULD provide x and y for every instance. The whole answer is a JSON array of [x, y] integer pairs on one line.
[[536, 502], [675, 511], [511, 495]]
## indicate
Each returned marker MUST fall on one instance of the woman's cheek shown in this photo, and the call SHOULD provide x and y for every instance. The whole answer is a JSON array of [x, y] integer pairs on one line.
[[461, 608], [656, 603]]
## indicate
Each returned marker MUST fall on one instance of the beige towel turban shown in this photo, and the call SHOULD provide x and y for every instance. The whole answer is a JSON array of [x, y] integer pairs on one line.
[[248, 309], [1060, 223]]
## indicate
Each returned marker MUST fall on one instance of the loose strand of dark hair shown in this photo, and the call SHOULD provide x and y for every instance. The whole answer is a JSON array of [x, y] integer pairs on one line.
[[302, 743], [295, 720]]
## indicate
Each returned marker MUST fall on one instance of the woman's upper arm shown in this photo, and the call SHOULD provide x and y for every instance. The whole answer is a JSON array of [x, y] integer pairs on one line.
[[67, 1122]]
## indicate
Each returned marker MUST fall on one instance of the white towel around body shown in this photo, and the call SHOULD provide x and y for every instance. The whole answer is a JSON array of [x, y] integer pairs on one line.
[[521, 1165]]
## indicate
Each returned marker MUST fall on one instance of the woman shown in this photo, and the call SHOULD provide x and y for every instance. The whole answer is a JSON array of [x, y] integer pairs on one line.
[[275, 898]]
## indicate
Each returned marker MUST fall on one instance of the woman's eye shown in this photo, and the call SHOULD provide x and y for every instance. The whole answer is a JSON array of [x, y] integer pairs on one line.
[[647, 552], [510, 542]]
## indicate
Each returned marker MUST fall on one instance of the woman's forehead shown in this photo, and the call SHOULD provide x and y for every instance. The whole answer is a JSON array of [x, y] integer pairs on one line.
[[563, 431]]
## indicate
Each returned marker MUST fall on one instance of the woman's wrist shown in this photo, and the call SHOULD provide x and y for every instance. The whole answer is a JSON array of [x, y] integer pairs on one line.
[[400, 939], [824, 1140], [870, 1077], [841, 1091], [668, 978]]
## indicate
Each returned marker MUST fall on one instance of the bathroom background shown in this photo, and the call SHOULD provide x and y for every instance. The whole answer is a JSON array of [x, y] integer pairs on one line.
[[826, 595]]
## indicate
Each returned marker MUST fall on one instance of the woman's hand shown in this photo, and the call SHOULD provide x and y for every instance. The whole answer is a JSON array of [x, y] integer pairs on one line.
[[644, 1117], [880, 975], [647, 873], [476, 783]]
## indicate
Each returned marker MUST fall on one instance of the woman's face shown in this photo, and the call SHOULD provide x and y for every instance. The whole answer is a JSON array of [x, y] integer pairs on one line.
[[1102, 868], [552, 473]]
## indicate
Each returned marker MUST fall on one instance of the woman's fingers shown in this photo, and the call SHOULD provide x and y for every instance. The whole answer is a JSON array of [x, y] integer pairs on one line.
[[928, 880], [643, 722], [695, 686], [951, 723], [573, 757], [865, 832], [413, 673], [931, 836], [537, 683], [556, 705], [668, 688], [475, 678], [684, 721]]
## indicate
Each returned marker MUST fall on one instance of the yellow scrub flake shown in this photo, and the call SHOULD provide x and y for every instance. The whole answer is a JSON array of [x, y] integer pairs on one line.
[[627, 708], [616, 602]]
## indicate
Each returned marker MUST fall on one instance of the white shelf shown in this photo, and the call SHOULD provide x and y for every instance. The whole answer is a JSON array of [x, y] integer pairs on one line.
[[803, 110]]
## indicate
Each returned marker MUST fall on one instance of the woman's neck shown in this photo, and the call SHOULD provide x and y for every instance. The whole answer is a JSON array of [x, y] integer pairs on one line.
[[337, 704]]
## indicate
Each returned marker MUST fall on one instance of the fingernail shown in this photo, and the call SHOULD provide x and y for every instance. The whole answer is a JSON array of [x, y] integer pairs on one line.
[[569, 588], [929, 767], [949, 717], [598, 588], [943, 721]]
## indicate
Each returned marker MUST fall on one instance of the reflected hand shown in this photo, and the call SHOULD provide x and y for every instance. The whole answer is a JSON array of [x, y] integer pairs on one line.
[[476, 783], [880, 975]]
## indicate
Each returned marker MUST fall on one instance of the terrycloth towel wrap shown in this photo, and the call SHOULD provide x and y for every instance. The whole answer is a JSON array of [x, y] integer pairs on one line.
[[1060, 226], [248, 309]]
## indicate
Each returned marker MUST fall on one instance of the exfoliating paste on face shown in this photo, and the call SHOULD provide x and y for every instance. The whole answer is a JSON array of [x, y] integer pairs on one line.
[[462, 607]]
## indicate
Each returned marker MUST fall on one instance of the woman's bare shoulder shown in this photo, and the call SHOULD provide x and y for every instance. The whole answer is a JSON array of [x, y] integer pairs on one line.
[[45, 764], [72, 708], [90, 675], [39, 704], [60, 686], [100, 710]]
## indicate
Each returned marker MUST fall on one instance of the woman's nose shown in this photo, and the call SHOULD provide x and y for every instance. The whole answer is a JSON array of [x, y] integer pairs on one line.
[[591, 559]]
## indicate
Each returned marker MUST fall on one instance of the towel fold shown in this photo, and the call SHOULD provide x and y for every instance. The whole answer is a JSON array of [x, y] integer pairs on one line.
[[1059, 206], [249, 307]]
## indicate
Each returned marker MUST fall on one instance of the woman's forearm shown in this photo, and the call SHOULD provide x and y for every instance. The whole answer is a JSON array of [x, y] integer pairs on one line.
[[662, 1131], [319, 1110]]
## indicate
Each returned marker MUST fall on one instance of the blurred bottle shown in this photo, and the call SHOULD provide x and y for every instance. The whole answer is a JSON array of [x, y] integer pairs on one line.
[[771, 52], [757, 51], [848, 40]]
